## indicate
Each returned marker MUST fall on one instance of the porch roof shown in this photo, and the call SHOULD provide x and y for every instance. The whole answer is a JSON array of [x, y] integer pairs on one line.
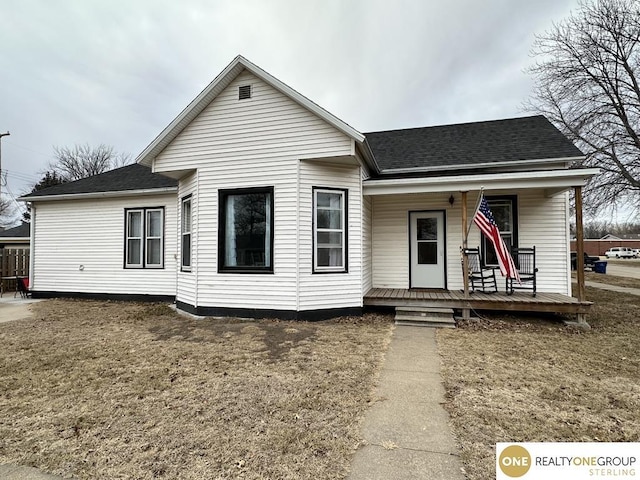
[[553, 181]]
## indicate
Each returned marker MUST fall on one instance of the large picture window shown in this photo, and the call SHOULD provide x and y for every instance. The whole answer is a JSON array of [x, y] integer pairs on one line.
[[185, 235], [144, 242], [329, 230], [246, 230], [505, 214]]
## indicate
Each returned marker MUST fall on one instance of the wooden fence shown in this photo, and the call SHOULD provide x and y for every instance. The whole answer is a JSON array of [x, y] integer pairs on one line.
[[14, 262]]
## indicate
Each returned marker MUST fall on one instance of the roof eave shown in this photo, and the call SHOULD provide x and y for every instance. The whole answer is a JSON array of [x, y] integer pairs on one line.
[[93, 195], [547, 179], [475, 166], [218, 84]]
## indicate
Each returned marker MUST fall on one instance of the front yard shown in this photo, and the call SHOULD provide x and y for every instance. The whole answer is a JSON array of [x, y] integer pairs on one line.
[[521, 379], [125, 390]]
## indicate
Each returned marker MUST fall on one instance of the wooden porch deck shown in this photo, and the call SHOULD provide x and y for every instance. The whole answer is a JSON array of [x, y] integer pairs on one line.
[[519, 301]]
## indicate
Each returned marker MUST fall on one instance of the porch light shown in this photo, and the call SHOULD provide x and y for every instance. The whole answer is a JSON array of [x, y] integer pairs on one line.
[[451, 200]]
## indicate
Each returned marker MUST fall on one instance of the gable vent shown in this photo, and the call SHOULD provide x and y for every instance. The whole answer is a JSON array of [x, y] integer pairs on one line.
[[244, 92]]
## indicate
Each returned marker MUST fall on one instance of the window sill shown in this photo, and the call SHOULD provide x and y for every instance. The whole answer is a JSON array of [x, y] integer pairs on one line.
[[246, 270], [324, 272]]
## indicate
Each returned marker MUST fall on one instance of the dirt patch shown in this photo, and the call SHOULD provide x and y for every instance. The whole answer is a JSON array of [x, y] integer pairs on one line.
[[509, 380], [126, 390]]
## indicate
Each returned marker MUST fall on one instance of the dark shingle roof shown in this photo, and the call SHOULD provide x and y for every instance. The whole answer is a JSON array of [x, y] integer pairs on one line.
[[16, 232], [130, 177], [468, 144]]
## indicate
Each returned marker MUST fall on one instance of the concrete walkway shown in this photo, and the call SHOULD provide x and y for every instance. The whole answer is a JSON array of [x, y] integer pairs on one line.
[[407, 432], [614, 288], [13, 472], [14, 308]]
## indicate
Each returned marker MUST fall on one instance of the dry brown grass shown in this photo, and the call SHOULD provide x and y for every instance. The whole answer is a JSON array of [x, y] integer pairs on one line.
[[125, 390], [512, 379]]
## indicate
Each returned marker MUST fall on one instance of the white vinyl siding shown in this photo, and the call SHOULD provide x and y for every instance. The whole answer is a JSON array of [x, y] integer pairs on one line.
[[330, 290], [187, 278], [237, 144], [541, 222], [367, 279], [79, 247]]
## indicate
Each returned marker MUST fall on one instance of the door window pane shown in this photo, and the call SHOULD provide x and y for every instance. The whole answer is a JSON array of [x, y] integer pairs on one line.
[[427, 253], [427, 228]]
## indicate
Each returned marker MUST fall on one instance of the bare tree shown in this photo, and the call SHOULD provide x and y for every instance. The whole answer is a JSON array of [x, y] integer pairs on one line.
[[8, 214], [587, 84], [83, 161]]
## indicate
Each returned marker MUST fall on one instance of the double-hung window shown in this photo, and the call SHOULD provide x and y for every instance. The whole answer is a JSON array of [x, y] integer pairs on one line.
[[245, 242], [185, 234], [144, 243], [329, 230], [505, 214]]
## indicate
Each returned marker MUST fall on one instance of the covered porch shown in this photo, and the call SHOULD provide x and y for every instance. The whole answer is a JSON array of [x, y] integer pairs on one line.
[[538, 215]]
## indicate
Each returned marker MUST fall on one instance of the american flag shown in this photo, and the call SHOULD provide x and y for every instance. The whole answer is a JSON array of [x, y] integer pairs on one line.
[[487, 225]]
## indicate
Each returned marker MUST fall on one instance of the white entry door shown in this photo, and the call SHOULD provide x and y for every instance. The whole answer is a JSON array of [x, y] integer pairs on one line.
[[426, 231]]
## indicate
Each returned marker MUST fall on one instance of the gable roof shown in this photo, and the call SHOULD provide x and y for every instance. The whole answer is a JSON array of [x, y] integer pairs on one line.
[[130, 178], [470, 145], [212, 90], [21, 231]]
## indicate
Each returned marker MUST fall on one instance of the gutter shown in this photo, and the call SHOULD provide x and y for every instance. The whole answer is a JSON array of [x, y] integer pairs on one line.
[[94, 195], [473, 166]]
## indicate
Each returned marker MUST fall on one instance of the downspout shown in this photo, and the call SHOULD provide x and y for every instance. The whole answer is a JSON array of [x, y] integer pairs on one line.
[[32, 245], [297, 235]]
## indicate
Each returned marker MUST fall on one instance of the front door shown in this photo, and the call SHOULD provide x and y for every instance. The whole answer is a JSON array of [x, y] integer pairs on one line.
[[426, 231]]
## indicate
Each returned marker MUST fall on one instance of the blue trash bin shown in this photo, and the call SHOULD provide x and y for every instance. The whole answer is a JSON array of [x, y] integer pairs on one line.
[[600, 267]]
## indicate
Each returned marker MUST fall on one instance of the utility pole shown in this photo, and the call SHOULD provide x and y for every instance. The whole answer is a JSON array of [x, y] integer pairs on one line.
[[1, 135]]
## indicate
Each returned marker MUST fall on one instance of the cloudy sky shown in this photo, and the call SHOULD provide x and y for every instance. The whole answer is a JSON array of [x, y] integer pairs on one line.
[[116, 72]]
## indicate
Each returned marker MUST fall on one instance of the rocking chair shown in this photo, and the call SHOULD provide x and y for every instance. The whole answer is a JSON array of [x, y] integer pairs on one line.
[[525, 260], [481, 278]]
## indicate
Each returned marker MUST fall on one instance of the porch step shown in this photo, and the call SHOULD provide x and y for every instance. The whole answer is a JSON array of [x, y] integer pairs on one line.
[[435, 317]]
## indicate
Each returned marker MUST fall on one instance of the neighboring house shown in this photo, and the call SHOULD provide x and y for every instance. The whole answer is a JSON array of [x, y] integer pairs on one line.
[[14, 252], [16, 237], [264, 204]]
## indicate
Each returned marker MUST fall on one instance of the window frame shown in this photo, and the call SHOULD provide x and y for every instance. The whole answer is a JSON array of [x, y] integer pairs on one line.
[[223, 195], [183, 234], [484, 243], [344, 268], [144, 264]]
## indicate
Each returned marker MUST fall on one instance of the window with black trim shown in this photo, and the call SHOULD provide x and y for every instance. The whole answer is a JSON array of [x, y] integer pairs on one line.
[[144, 238], [246, 230], [505, 213], [185, 235], [329, 230]]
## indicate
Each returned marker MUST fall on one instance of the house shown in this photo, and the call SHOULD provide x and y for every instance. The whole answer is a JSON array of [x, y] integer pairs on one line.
[[16, 237], [254, 201], [14, 251]]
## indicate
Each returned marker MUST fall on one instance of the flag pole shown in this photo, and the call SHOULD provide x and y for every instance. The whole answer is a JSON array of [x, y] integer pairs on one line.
[[475, 210], [466, 313]]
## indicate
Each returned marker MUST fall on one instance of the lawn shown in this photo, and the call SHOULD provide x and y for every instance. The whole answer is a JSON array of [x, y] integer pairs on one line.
[[512, 379], [612, 280], [126, 390]]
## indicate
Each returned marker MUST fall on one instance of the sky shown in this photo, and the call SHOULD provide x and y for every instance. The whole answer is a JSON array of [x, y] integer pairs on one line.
[[116, 73]]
